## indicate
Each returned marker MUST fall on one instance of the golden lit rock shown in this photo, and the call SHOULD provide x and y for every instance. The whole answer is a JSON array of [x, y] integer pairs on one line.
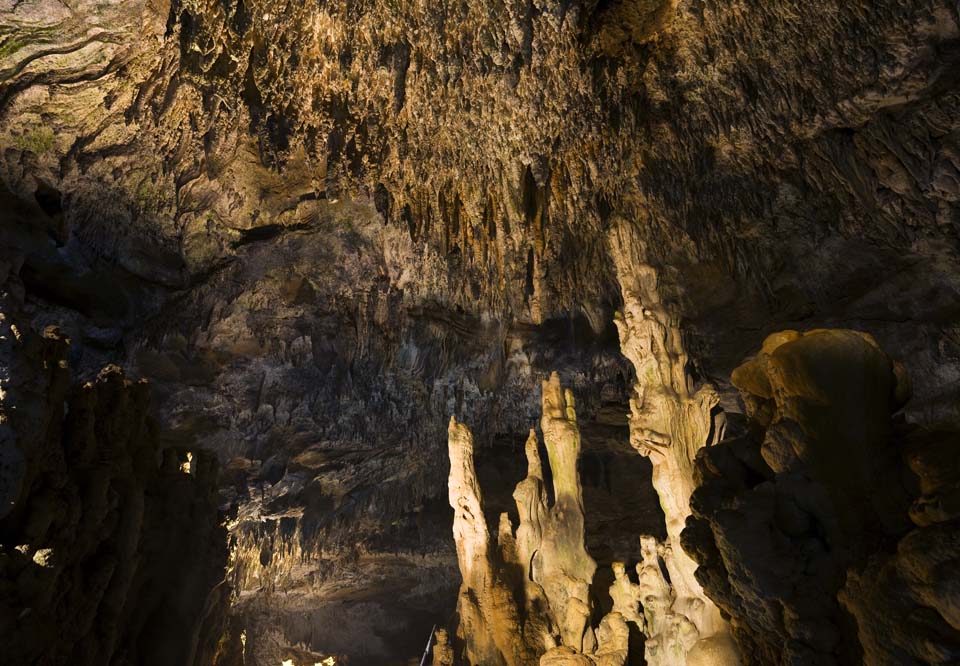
[[670, 421]]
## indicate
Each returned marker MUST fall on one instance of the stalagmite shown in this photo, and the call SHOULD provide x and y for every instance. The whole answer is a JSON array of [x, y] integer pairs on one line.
[[613, 637], [527, 601], [671, 635], [531, 507], [551, 593], [670, 421], [567, 569], [442, 650], [490, 624], [626, 596]]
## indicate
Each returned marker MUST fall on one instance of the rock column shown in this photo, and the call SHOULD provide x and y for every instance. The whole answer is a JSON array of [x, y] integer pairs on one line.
[[670, 421]]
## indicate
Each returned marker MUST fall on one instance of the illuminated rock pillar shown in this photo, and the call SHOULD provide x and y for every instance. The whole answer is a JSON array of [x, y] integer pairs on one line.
[[670, 420], [552, 570], [567, 568], [490, 626]]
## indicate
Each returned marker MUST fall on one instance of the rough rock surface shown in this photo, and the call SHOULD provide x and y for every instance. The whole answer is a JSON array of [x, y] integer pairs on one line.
[[501, 138], [670, 421], [111, 546], [802, 525], [319, 229]]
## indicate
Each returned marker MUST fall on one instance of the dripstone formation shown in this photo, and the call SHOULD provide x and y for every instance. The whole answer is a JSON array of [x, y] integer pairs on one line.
[[670, 421], [828, 512], [824, 513], [526, 598], [318, 229]]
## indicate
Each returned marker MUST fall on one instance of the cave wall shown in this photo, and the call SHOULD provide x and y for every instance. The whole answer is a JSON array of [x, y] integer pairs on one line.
[[320, 229], [111, 551]]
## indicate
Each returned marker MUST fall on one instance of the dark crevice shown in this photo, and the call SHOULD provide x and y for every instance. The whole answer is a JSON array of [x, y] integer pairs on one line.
[[265, 233]]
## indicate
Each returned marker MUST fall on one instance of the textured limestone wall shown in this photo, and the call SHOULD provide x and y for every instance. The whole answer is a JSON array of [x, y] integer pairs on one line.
[[827, 513], [111, 545], [735, 135]]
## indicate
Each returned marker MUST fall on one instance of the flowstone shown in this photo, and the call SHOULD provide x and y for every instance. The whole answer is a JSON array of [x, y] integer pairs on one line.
[[810, 531]]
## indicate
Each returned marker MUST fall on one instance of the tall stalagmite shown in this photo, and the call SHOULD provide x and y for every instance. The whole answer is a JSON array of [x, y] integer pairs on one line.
[[528, 601], [671, 420], [490, 624], [566, 569]]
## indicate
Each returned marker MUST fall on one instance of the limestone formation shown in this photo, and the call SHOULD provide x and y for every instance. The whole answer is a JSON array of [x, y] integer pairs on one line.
[[320, 228], [670, 422], [490, 623], [542, 611], [626, 596], [565, 656], [442, 650], [806, 517], [613, 640], [566, 569], [109, 553]]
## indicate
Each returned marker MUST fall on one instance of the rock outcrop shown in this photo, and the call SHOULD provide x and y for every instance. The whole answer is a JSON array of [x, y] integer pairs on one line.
[[810, 526], [111, 545]]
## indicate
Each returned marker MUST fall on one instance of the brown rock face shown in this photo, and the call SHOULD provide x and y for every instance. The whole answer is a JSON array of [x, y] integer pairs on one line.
[[111, 548], [802, 526]]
